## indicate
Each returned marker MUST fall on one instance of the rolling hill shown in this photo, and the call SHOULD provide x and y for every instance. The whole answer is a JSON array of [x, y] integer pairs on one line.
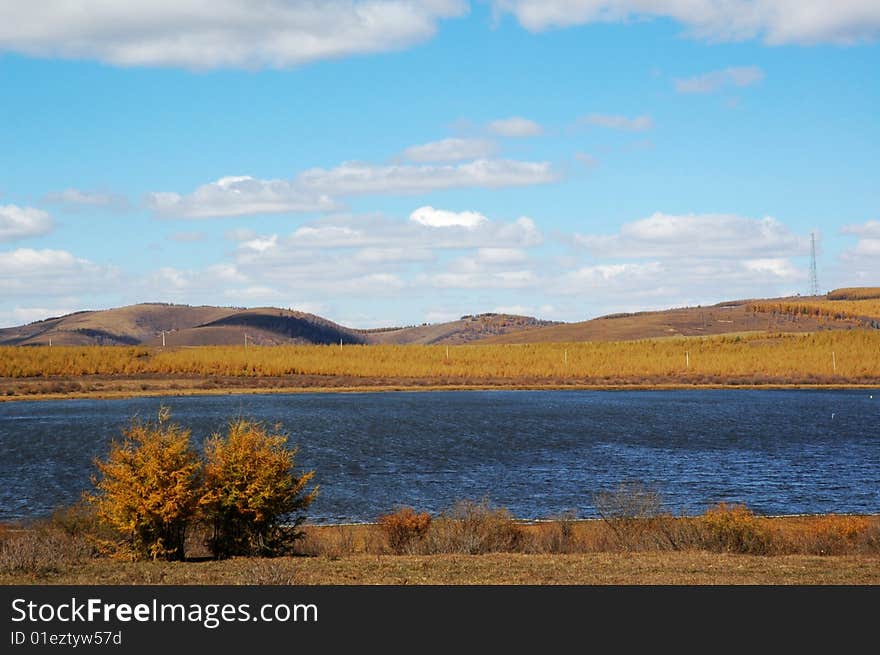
[[733, 317], [184, 325]]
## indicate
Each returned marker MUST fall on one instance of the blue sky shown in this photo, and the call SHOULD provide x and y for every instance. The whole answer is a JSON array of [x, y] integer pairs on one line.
[[391, 163]]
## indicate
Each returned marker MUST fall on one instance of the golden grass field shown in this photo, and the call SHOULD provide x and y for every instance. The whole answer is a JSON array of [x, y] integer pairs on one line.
[[839, 357], [860, 308]]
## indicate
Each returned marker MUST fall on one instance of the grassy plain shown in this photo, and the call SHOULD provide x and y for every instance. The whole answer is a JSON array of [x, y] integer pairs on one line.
[[840, 357]]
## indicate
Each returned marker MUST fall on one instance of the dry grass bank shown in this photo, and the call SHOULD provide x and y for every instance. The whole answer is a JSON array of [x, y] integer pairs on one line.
[[476, 544], [826, 358]]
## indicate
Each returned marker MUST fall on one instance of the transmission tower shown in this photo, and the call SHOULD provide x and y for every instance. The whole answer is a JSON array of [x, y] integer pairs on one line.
[[814, 278]]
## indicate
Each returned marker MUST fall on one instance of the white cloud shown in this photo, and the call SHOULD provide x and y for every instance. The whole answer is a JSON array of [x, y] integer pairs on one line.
[[776, 22], [351, 178], [261, 244], [314, 190], [75, 199], [24, 315], [717, 80], [384, 255], [698, 235], [613, 122], [442, 218], [238, 196], [517, 279], [515, 127], [435, 229], [452, 149], [199, 34], [502, 256], [777, 267], [860, 264], [22, 222], [870, 229], [51, 273], [637, 286]]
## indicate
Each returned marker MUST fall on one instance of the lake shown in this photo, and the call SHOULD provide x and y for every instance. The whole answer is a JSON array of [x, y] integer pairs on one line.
[[538, 453]]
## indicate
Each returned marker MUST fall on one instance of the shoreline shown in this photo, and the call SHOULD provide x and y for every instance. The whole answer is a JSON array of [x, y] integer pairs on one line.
[[367, 387]]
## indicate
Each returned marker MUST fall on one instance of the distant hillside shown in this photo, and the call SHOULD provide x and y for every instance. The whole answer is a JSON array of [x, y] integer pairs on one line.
[[776, 315], [183, 325], [464, 330]]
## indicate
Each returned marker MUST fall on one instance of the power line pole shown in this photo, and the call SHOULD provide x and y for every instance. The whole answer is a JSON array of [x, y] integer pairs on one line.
[[814, 277]]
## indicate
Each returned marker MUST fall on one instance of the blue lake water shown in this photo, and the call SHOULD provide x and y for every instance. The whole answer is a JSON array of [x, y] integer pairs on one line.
[[538, 453]]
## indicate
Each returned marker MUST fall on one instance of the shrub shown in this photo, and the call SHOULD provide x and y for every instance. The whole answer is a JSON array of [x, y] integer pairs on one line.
[[148, 487], [735, 529], [632, 511], [404, 529], [474, 528], [835, 535], [250, 490]]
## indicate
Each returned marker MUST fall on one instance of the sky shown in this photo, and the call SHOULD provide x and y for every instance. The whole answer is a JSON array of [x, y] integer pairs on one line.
[[387, 163]]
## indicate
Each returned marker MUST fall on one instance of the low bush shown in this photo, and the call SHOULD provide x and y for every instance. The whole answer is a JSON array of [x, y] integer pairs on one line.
[[474, 528], [405, 529], [735, 529]]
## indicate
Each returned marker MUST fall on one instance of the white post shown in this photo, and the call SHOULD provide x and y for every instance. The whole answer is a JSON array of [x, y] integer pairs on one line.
[[687, 359], [50, 342], [834, 361], [447, 353], [163, 338]]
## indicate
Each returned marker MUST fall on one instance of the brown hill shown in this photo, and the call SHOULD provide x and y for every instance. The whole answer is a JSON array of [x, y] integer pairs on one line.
[[183, 325], [723, 318], [466, 329]]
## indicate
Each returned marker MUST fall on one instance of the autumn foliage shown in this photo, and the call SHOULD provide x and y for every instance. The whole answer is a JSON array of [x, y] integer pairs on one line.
[[404, 528], [153, 487], [249, 489], [148, 488]]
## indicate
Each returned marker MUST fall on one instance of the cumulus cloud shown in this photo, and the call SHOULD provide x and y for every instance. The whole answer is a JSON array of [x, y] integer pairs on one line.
[[436, 229], [442, 218], [24, 315], [698, 235], [51, 273], [352, 178], [452, 149], [198, 34], [74, 199], [776, 22], [515, 127], [22, 222], [614, 122], [636, 286], [717, 80], [315, 190], [239, 196], [861, 262], [870, 229]]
